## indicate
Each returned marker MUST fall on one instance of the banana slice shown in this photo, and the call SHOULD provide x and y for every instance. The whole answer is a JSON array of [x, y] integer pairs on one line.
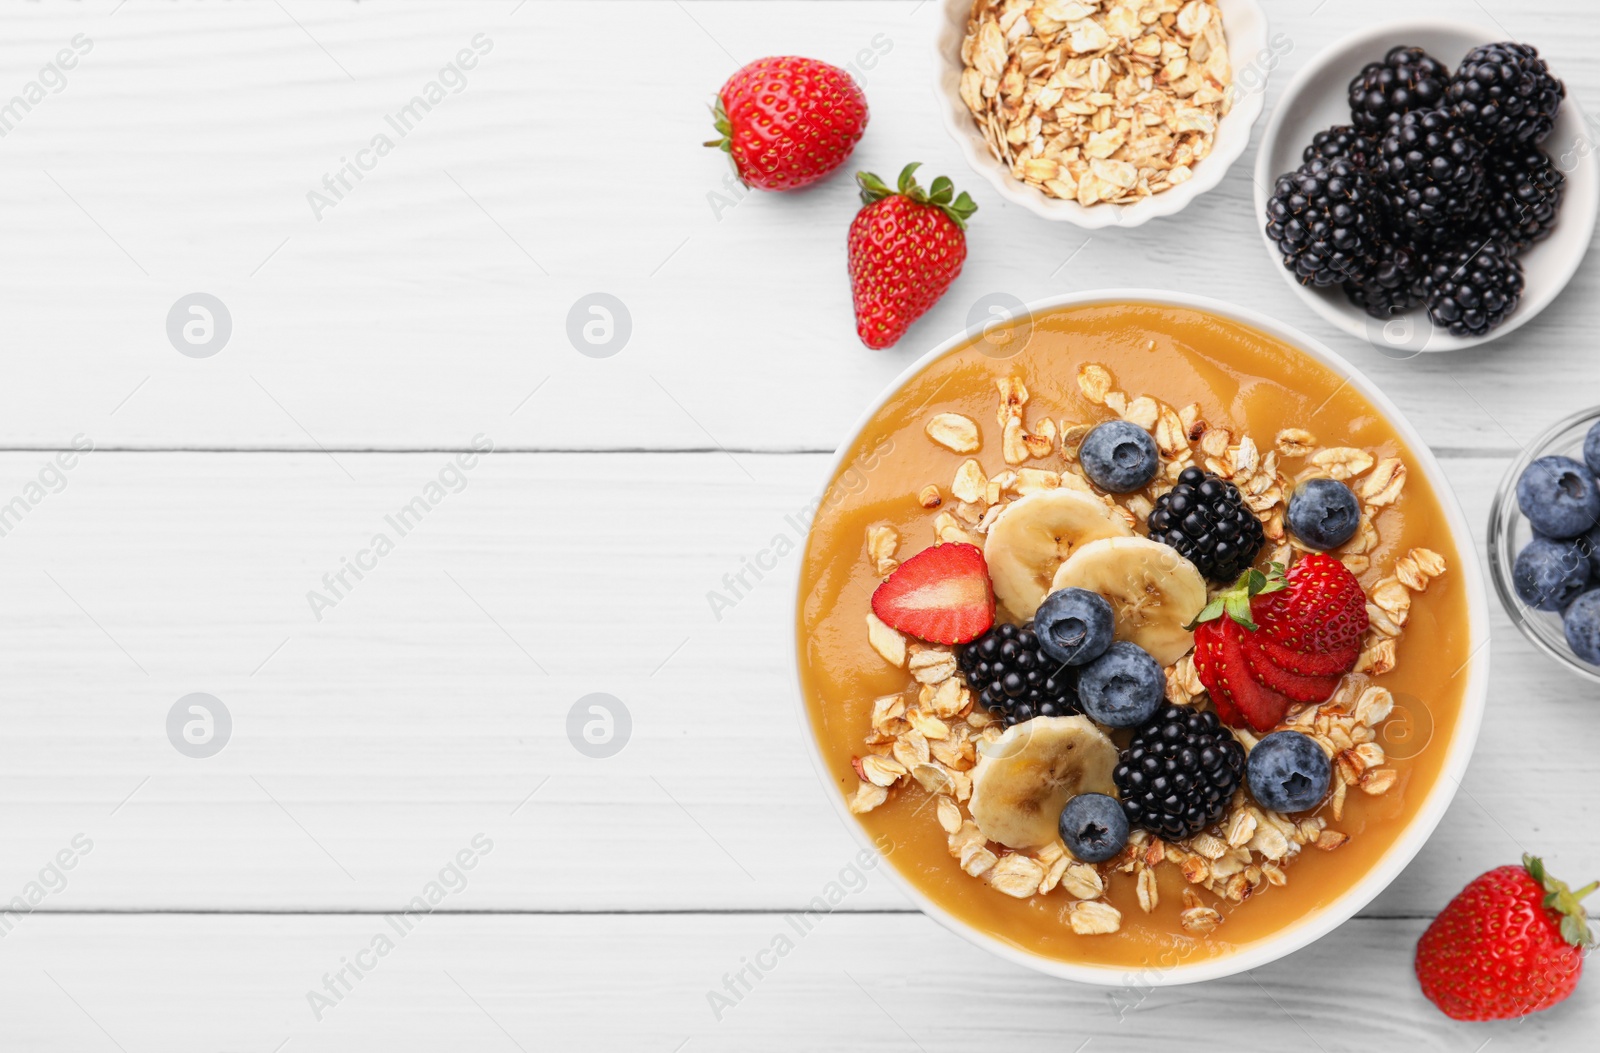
[[1025, 777], [1035, 535], [1154, 592]]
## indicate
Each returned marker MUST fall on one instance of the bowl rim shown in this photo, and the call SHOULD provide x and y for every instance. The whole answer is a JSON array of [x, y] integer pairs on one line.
[[1208, 174], [1335, 912], [1380, 37], [1503, 515]]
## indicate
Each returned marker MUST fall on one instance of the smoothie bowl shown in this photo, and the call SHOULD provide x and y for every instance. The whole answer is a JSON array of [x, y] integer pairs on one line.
[[1137, 633]]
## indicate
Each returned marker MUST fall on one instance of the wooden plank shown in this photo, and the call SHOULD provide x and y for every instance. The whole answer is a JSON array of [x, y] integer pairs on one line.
[[895, 982], [432, 299], [433, 698]]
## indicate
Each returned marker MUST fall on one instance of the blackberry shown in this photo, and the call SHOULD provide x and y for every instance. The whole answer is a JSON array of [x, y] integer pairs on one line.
[[1506, 94], [1014, 679], [1178, 774], [1430, 172], [1394, 283], [1206, 520], [1342, 141], [1407, 79], [1320, 217], [1522, 192], [1470, 290]]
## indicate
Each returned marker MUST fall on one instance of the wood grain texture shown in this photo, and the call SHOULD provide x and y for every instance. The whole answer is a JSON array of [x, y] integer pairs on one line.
[[429, 705], [858, 982], [416, 712], [428, 302]]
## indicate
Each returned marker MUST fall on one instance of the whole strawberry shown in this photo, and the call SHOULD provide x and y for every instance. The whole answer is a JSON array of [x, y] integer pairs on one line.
[[1511, 943], [906, 247], [788, 121]]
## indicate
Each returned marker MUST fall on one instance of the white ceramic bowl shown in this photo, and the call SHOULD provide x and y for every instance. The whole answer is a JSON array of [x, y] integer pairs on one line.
[[1252, 59], [1430, 811], [1317, 98]]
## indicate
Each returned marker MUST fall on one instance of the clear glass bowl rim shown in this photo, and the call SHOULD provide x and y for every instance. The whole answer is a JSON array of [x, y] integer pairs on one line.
[[1503, 517]]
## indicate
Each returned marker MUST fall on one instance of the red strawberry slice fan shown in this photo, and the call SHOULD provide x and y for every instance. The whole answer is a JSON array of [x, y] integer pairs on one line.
[[1272, 639]]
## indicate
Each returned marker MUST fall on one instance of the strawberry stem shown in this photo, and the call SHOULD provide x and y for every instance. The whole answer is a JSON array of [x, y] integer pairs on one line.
[[1564, 901], [1234, 601], [940, 195]]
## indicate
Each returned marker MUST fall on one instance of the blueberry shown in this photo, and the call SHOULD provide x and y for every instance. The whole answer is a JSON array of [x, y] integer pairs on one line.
[[1591, 448], [1323, 513], [1119, 456], [1550, 572], [1582, 625], [1288, 772], [1094, 827], [1590, 544], [1559, 497], [1074, 626], [1123, 687]]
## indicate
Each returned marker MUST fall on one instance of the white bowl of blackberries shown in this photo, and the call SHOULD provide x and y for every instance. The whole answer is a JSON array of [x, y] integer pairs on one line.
[[1544, 543], [1427, 185]]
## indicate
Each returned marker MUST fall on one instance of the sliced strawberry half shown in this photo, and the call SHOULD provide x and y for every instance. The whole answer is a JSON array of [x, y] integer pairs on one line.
[[1210, 667], [1320, 610], [1220, 661], [1335, 663], [1312, 689], [942, 595]]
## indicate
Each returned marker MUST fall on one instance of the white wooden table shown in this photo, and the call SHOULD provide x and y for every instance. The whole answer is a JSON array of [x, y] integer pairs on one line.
[[422, 711]]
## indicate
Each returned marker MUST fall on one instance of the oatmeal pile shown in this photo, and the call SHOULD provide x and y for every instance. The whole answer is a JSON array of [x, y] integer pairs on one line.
[[932, 732], [1097, 100]]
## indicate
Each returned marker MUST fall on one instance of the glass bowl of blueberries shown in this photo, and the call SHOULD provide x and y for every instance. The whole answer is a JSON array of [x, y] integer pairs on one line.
[[1544, 543]]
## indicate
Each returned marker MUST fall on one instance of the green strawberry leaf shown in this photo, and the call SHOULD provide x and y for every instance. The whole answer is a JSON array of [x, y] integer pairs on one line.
[[908, 180], [874, 189], [962, 210], [1209, 613], [1238, 608], [719, 118], [1234, 601], [1574, 924], [724, 142]]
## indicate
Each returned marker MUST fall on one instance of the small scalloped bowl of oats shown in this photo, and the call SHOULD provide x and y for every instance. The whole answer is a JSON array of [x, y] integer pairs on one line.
[[971, 525], [1102, 112]]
